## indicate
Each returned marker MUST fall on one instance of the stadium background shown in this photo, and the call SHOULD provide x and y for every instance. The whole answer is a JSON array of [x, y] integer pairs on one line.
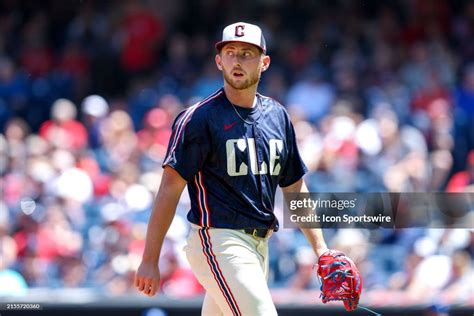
[[381, 95]]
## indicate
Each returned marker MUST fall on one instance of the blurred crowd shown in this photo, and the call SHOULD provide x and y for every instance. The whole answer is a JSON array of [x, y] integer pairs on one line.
[[381, 96]]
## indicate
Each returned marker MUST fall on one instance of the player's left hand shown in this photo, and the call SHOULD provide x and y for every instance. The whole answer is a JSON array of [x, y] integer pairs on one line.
[[340, 279], [147, 278]]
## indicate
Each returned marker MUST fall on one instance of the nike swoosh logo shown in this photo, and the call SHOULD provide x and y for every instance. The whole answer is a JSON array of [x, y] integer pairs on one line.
[[227, 127]]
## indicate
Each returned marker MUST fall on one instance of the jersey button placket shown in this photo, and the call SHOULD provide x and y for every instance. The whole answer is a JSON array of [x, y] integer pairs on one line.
[[258, 144]]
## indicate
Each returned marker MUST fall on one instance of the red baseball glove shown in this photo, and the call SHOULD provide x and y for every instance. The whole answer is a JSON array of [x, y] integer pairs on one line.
[[340, 279]]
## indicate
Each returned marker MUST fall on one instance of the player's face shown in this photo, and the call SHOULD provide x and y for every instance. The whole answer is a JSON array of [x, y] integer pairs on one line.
[[241, 64]]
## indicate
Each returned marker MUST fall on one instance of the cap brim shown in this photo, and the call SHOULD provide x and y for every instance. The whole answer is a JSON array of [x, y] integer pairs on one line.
[[221, 44]]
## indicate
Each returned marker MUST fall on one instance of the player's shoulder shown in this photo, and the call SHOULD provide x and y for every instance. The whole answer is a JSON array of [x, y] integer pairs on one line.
[[203, 108], [266, 100], [269, 104], [199, 111]]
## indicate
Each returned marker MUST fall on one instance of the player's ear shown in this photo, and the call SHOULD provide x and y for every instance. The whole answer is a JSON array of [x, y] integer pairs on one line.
[[265, 62], [219, 62]]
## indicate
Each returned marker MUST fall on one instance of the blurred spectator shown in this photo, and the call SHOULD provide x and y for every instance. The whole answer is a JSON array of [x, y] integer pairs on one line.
[[94, 108], [63, 130], [119, 141], [16, 132], [153, 138]]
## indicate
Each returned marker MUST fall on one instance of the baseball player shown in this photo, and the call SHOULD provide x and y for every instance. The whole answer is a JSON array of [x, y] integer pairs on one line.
[[232, 150]]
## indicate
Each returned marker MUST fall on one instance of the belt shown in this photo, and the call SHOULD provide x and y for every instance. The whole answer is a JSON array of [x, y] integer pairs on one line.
[[259, 232]]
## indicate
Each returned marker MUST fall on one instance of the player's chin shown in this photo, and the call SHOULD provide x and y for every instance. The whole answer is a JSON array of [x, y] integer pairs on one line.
[[239, 81], [240, 84]]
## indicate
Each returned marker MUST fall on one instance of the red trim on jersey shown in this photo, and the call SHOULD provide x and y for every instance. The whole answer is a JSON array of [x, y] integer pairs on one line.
[[198, 192], [206, 205]]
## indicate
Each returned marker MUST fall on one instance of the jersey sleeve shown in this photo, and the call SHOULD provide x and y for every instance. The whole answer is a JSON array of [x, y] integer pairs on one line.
[[189, 145], [294, 168]]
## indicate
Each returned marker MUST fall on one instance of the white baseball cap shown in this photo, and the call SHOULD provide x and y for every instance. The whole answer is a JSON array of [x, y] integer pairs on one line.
[[242, 32]]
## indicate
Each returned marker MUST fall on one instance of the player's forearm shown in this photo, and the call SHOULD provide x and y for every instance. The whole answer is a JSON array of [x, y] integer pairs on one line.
[[316, 240], [164, 209], [313, 235], [158, 225]]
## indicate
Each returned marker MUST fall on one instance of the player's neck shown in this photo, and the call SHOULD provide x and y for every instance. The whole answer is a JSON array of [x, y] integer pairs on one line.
[[244, 98]]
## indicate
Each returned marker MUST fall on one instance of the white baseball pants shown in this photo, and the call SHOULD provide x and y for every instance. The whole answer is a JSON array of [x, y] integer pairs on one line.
[[233, 268]]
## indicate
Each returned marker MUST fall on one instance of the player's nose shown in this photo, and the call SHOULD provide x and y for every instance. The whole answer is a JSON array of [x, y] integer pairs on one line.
[[236, 62]]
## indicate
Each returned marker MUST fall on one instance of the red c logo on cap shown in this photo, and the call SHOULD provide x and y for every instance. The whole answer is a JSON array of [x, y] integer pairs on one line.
[[239, 30]]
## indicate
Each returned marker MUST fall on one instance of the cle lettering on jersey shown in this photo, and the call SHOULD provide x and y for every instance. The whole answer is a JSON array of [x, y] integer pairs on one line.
[[275, 145]]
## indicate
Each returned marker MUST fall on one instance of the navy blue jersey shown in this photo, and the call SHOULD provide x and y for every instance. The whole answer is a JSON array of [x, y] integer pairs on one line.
[[233, 159]]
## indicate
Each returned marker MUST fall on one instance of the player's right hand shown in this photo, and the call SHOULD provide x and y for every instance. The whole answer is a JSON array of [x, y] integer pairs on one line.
[[147, 278]]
